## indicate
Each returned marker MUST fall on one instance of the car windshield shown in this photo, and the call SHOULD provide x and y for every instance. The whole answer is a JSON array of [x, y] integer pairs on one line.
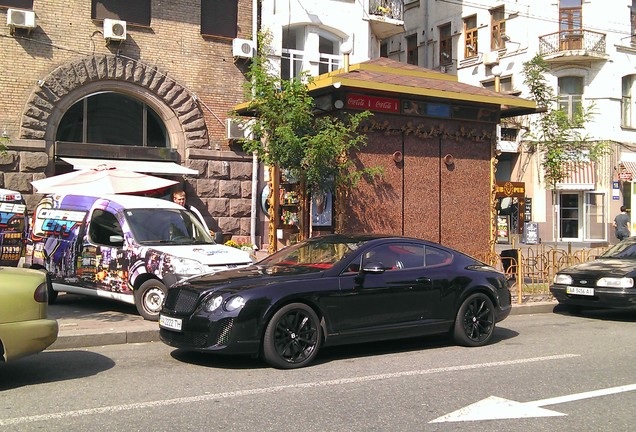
[[312, 255], [623, 250], [166, 226]]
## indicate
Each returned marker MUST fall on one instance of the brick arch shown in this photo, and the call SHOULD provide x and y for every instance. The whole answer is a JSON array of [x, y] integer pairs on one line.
[[71, 81]]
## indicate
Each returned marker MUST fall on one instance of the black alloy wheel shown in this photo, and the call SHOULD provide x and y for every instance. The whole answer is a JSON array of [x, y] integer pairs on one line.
[[475, 321], [293, 337]]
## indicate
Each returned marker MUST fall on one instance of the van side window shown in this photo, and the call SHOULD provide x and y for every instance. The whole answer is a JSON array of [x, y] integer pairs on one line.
[[103, 227]]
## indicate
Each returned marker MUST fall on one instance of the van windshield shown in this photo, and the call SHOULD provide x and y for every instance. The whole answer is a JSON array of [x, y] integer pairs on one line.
[[166, 226]]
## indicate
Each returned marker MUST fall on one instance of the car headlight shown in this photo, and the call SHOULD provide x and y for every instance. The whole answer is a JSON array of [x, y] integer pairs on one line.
[[563, 279], [614, 282], [184, 266], [213, 303], [234, 303]]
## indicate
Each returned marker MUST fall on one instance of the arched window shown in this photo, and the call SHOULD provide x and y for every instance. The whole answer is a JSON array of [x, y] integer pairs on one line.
[[301, 43], [112, 118]]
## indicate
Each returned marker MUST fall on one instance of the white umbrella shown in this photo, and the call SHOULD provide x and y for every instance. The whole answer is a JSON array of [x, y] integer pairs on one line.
[[103, 180]]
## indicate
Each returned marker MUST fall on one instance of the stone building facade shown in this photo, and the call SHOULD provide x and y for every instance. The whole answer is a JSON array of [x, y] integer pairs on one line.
[[172, 62]]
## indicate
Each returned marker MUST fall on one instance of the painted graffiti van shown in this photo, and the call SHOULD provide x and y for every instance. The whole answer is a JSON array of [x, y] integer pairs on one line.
[[14, 226], [123, 247]]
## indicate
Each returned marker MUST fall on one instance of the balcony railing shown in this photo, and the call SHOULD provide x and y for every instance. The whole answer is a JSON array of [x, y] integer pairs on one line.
[[393, 9], [590, 42]]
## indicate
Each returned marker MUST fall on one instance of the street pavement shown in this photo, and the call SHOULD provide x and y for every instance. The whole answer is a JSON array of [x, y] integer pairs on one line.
[[89, 321]]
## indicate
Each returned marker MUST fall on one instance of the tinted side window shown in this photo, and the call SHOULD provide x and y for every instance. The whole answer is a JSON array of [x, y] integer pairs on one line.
[[103, 227], [437, 257], [396, 256]]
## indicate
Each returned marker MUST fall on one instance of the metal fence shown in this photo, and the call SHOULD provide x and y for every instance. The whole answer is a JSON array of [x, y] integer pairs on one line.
[[531, 269]]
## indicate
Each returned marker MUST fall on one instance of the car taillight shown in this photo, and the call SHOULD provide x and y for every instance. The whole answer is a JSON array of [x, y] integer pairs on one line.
[[41, 294]]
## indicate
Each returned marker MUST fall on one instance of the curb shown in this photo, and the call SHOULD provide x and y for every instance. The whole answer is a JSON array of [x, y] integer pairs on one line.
[[145, 331]]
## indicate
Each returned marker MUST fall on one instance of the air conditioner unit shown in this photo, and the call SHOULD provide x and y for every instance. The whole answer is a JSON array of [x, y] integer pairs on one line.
[[491, 58], [239, 129], [114, 30], [18, 18], [243, 48]]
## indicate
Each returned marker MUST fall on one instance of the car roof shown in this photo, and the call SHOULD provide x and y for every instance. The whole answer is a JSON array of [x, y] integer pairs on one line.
[[134, 201]]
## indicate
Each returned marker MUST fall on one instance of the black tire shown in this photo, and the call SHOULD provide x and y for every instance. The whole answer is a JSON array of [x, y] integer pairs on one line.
[[149, 299], [293, 337], [475, 321]]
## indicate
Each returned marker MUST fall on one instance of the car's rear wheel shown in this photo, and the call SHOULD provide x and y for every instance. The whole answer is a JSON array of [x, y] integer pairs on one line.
[[475, 321], [293, 337], [149, 299]]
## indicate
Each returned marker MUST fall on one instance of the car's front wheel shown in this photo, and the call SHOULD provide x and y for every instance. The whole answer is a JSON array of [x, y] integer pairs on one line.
[[475, 321], [149, 299], [293, 337]]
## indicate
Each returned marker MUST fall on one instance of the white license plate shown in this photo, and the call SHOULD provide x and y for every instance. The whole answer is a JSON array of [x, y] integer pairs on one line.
[[170, 323], [580, 291]]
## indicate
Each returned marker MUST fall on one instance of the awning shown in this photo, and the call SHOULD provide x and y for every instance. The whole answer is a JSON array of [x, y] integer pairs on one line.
[[581, 177], [140, 166], [627, 171]]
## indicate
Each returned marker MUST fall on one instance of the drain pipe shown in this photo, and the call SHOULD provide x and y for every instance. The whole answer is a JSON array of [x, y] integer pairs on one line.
[[254, 206]]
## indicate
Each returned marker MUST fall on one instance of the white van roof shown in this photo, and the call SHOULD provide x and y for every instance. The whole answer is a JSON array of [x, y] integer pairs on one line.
[[133, 202]]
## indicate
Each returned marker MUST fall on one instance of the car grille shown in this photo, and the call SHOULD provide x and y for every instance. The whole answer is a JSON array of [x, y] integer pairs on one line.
[[193, 339], [224, 329], [181, 301]]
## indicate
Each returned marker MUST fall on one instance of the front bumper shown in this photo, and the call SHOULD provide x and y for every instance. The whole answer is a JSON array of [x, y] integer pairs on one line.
[[602, 298], [224, 336]]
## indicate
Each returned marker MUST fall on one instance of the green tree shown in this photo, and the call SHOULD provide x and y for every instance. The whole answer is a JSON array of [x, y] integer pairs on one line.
[[290, 133], [560, 139]]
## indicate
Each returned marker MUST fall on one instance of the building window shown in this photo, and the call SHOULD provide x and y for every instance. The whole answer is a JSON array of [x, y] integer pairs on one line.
[[384, 50], [595, 216], [627, 102], [498, 28], [445, 45], [329, 47], [470, 37], [505, 85], [411, 49], [18, 4], [571, 95], [219, 18], [134, 12], [112, 118], [570, 24]]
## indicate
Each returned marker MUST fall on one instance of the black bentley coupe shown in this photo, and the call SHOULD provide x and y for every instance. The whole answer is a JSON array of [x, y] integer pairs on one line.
[[336, 289]]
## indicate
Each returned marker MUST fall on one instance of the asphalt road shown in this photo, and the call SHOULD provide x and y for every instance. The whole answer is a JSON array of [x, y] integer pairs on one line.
[[538, 373]]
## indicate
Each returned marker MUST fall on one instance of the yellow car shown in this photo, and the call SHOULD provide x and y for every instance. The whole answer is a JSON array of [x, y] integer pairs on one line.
[[24, 327]]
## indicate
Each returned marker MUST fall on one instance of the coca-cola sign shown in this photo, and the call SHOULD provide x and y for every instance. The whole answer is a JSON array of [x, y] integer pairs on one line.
[[373, 103]]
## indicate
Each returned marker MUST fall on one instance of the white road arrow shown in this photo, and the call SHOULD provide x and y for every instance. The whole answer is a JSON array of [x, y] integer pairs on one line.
[[496, 408]]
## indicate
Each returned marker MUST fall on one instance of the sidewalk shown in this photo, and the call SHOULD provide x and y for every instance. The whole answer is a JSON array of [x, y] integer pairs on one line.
[[88, 321]]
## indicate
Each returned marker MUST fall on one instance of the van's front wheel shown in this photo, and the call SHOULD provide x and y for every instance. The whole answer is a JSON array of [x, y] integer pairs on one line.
[[149, 299]]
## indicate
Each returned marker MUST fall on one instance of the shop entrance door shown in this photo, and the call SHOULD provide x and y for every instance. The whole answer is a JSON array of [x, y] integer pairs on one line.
[[569, 216]]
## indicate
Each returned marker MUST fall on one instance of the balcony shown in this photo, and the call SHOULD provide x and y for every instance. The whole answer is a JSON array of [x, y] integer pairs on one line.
[[574, 45], [386, 17]]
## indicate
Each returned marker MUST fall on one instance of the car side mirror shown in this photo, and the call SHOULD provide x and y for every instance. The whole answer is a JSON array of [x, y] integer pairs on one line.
[[373, 267], [116, 240]]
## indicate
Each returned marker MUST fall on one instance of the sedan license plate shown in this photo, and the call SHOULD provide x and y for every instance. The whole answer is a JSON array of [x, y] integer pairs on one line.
[[170, 323], [580, 291]]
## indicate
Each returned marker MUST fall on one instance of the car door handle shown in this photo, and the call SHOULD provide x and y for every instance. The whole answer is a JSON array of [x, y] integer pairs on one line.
[[423, 280]]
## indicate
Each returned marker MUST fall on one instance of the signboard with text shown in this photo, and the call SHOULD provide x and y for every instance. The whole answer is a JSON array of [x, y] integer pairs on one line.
[[373, 103]]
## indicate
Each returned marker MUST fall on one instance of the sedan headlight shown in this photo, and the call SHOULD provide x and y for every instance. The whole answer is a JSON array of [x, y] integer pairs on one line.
[[184, 266], [614, 282], [234, 303], [213, 303], [563, 279]]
